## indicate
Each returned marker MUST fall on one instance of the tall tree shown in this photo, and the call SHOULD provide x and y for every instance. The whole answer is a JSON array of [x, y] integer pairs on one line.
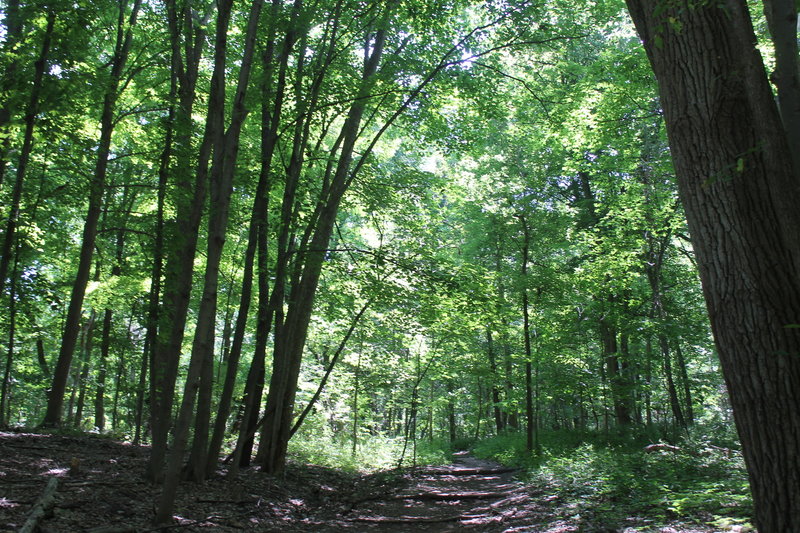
[[225, 144], [25, 152], [187, 40], [740, 194], [289, 347], [124, 36]]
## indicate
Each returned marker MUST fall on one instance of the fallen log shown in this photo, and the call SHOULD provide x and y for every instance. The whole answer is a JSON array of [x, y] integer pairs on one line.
[[41, 507]]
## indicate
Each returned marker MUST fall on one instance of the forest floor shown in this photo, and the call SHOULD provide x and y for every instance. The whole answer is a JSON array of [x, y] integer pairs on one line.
[[100, 489]]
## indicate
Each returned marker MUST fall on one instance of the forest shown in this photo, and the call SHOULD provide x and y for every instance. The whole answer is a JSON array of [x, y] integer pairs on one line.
[[289, 243]]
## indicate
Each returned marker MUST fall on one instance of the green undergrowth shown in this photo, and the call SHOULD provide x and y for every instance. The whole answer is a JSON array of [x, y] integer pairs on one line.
[[373, 452], [618, 482]]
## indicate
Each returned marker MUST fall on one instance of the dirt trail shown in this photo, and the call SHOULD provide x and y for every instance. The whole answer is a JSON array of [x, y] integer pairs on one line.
[[100, 489], [471, 493]]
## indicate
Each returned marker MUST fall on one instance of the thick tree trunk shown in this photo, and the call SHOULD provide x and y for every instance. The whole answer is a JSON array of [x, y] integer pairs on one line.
[[740, 194]]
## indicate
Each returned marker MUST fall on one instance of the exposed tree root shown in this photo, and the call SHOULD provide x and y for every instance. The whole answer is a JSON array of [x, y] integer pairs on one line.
[[41, 507]]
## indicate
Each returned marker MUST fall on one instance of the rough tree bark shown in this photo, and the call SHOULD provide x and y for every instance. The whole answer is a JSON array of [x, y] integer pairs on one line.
[[740, 194]]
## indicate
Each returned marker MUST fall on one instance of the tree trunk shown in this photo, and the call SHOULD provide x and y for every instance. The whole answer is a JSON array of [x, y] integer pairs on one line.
[[100, 391], [27, 147], [226, 144], [687, 390], [511, 414], [258, 223], [451, 412], [226, 152], [531, 428], [740, 194], [187, 34], [498, 415], [672, 390], [782, 20], [616, 380], [55, 399], [83, 376], [356, 386], [13, 26], [276, 302], [648, 377], [289, 347], [117, 393], [5, 393]]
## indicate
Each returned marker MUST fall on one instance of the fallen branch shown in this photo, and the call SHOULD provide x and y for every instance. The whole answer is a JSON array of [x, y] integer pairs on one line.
[[464, 471], [41, 507], [662, 448], [233, 502], [449, 496], [513, 498], [405, 519]]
